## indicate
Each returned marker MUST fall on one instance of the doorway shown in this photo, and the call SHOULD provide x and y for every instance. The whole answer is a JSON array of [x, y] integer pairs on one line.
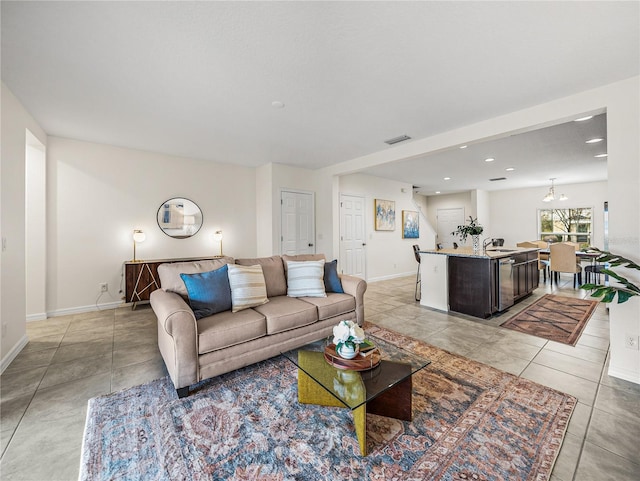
[[297, 223], [447, 222], [35, 228], [352, 236]]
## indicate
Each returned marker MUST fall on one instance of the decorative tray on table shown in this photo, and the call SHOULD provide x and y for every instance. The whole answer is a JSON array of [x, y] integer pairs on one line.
[[362, 362]]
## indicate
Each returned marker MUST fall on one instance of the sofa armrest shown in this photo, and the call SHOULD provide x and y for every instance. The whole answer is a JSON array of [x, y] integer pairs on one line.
[[356, 287], [177, 337]]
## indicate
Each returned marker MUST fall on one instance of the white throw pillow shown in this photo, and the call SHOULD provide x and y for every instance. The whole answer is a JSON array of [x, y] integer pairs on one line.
[[305, 279], [248, 288]]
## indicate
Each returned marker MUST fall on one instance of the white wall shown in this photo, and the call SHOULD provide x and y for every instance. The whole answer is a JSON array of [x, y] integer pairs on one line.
[[264, 211], [15, 122], [388, 254], [97, 195], [36, 228], [514, 213]]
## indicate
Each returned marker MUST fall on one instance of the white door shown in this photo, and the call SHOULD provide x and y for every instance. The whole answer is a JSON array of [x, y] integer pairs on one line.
[[352, 236], [447, 222], [297, 223]]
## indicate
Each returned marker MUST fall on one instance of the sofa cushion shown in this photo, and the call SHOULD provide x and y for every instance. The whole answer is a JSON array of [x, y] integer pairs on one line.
[[273, 271], [305, 279], [228, 328], [301, 258], [248, 288], [332, 305], [284, 313], [331, 278], [169, 273], [209, 292]]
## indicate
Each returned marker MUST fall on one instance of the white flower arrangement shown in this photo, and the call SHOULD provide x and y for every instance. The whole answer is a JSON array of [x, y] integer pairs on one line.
[[347, 333]]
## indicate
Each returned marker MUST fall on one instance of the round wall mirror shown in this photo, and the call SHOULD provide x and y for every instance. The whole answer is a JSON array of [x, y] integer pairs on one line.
[[179, 218]]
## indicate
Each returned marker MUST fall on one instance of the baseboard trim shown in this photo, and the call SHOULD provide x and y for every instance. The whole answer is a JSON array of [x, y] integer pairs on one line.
[[83, 309], [625, 374], [393, 276], [41, 316], [13, 353]]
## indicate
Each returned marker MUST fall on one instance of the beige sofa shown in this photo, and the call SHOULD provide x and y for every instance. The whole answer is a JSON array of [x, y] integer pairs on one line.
[[197, 350]]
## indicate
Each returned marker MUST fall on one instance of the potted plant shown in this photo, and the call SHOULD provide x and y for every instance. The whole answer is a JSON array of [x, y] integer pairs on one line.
[[625, 289], [472, 229], [347, 336]]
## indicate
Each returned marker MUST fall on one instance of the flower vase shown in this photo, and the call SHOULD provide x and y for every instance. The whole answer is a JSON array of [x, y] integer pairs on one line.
[[476, 242], [347, 352]]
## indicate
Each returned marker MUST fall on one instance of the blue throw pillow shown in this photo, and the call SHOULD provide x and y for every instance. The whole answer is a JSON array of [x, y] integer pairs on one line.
[[331, 279], [209, 292]]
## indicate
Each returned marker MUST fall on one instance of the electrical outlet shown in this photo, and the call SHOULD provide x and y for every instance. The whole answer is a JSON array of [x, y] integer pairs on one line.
[[631, 341], [104, 287]]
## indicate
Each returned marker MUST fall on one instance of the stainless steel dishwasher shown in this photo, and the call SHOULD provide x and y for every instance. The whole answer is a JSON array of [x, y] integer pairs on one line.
[[505, 283]]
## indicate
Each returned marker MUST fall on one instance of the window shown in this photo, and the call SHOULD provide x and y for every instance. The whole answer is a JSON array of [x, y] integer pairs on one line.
[[561, 225]]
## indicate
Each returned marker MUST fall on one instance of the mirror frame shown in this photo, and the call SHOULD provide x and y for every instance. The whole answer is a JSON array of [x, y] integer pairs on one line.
[[176, 207]]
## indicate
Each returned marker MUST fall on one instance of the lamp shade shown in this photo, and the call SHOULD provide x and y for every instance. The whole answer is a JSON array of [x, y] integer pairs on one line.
[[139, 236], [217, 236]]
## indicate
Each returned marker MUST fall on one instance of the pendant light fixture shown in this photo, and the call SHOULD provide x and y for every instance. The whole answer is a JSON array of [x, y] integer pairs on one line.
[[551, 195]]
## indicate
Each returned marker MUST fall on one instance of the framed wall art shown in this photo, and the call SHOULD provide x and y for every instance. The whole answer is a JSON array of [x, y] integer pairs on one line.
[[410, 224], [385, 214]]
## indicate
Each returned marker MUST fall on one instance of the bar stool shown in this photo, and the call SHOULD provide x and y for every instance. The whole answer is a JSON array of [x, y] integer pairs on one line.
[[416, 252], [594, 270]]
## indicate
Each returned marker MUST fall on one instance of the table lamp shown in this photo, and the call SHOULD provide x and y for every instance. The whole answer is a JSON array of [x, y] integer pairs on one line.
[[217, 237], [138, 236]]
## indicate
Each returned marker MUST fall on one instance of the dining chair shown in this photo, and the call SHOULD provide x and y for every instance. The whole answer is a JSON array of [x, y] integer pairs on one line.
[[542, 265], [526, 244], [543, 257], [563, 259], [416, 253]]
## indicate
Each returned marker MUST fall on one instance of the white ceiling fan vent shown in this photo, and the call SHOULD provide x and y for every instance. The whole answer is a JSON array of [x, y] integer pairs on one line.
[[395, 140]]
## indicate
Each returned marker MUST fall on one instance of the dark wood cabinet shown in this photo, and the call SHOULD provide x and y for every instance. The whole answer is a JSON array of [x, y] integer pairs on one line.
[[525, 274], [475, 287], [141, 277], [472, 285]]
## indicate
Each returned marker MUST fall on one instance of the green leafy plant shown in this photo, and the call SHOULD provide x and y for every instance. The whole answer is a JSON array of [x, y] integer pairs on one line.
[[472, 228], [625, 290]]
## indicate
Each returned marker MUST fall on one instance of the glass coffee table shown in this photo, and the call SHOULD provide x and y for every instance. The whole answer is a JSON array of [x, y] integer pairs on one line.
[[384, 389]]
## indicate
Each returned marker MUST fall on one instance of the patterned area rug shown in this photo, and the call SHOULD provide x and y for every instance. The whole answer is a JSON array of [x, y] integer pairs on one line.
[[470, 421], [556, 318]]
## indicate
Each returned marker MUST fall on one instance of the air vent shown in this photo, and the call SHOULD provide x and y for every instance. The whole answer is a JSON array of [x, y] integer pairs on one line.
[[395, 140], [497, 178]]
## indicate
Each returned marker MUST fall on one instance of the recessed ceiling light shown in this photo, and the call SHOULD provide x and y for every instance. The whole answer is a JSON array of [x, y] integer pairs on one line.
[[582, 119], [594, 141], [447, 178], [490, 159], [437, 191], [463, 146], [510, 169], [599, 156], [276, 104]]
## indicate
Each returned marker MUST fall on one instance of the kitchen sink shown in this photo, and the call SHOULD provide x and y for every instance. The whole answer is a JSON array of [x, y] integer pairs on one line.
[[501, 250]]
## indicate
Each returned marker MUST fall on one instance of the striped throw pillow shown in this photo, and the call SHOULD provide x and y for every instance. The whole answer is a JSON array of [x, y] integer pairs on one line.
[[305, 279], [248, 288]]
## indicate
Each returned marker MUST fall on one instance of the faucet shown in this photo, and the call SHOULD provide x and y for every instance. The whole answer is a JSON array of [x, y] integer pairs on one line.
[[485, 243]]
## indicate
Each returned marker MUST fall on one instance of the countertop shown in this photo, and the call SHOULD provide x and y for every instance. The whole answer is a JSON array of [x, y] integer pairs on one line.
[[490, 253]]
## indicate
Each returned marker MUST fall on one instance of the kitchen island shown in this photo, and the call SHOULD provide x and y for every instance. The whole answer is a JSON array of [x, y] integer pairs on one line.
[[477, 283]]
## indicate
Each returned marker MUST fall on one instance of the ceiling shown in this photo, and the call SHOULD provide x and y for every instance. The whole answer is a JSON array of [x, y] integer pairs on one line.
[[536, 156], [198, 79]]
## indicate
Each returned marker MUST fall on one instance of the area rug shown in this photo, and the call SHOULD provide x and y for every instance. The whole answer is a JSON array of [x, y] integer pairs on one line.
[[470, 421], [556, 318]]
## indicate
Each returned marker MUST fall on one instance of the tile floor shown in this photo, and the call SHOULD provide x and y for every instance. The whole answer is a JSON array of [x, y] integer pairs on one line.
[[70, 359]]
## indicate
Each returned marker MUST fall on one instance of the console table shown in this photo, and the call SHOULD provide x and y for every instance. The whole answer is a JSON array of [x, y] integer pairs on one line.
[[141, 277]]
